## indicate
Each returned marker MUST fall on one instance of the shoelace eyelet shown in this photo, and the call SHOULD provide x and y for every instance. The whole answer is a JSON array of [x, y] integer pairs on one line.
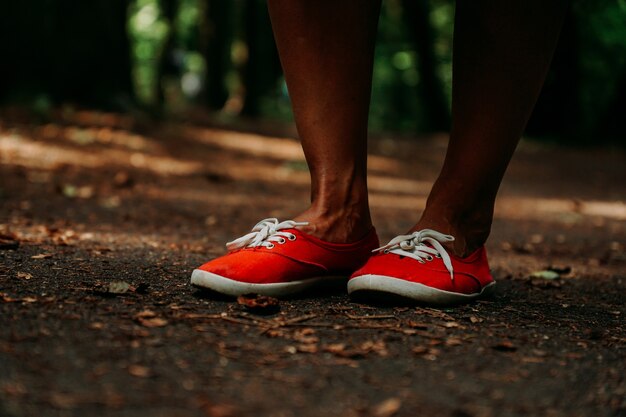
[[270, 246], [282, 241], [430, 258], [292, 237]]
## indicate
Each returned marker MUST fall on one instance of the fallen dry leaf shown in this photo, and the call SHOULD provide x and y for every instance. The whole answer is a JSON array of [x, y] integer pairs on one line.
[[148, 318], [335, 347], [259, 304], [453, 341], [428, 353], [118, 287], [42, 256], [307, 348], [306, 336], [145, 314], [24, 275], [417, 325], [5, 298], [139, 371], [153, 322], [387, 408]]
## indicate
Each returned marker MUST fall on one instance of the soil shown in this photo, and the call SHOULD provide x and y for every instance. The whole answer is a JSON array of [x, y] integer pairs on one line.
[[103, 219]]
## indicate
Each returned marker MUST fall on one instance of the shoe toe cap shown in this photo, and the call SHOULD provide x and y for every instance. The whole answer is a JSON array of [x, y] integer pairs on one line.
[[258, 267], [432, 275]]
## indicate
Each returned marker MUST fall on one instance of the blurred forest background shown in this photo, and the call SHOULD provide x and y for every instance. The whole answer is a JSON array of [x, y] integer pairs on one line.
[[169, 57]]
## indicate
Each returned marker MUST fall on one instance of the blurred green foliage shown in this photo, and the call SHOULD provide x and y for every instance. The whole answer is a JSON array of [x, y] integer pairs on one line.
[[219, 55]]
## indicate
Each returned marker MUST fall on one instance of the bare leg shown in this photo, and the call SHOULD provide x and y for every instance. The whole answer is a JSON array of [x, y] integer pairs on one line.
[[326, 49], [502, 50]]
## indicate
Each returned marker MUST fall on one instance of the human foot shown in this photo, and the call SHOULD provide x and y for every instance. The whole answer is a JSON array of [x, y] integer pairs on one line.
[[278, 259], [418, 267]]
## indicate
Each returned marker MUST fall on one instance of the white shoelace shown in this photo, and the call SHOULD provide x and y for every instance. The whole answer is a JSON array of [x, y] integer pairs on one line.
[[265, 233], [413, 246]]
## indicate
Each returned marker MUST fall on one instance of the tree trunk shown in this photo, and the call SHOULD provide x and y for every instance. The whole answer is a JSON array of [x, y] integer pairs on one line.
[[218, 32], [263, 67], [417, 17], [167, 67]]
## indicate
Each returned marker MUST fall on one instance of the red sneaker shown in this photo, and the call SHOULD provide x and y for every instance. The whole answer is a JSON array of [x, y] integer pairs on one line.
[[277, 259], [418, 267]]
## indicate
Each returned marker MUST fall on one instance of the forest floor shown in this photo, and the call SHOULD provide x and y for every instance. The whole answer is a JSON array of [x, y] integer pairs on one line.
[[102, 222]]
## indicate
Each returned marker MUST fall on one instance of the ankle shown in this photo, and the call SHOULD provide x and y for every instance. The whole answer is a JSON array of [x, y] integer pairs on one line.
[[339, 225], [470, 227], [339, 209]]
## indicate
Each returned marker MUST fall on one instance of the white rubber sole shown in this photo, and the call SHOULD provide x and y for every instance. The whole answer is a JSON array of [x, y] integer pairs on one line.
[[234, 288], [413, 290]]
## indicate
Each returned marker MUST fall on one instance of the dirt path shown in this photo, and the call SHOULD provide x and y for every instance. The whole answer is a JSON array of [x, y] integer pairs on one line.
[[100, 228]]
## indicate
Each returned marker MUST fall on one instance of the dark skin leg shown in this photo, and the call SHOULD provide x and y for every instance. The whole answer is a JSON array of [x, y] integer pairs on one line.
[[502, 51], [326, 49]]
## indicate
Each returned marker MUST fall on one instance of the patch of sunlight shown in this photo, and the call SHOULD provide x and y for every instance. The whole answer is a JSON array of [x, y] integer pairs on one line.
[[272, 147], [564, 210], [18, 150]]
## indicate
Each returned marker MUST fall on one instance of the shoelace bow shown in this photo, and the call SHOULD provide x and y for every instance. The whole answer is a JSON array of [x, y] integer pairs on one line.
[[265, 233], [414, 246]]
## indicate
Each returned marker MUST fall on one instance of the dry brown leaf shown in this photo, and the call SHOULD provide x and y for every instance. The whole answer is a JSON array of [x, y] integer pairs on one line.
[[148, 318], [139, 371], [42, 256], [475, 319], [5, 298], [335, 347], [307, 348], [145, 314], [24, 275], [387, 408], [306, 336], [417, 325], [453, 341], [153, 322], [428, 353], [259, 304]]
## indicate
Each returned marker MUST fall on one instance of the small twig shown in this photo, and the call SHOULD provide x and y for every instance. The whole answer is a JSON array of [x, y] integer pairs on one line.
[[372, 317], [372, 326], [238, 321], [290, 322], [299, 319]]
